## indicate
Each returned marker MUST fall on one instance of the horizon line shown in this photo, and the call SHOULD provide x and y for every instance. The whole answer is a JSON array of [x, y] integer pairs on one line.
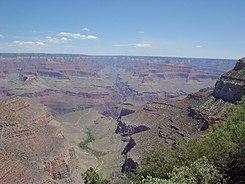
[[112, 55]]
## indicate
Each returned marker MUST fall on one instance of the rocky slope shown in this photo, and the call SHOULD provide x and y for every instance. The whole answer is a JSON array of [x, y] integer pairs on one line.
[[170, 121], [31, 150]]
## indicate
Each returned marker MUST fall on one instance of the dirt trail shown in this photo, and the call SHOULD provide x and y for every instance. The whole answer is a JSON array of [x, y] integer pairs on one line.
[[81, 117], [98, 167]]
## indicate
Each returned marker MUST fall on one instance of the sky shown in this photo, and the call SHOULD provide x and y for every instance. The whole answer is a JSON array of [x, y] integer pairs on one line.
[[182, 28]]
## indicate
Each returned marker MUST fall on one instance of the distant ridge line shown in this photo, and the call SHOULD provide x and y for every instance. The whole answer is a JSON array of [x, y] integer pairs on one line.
[[105, 56]]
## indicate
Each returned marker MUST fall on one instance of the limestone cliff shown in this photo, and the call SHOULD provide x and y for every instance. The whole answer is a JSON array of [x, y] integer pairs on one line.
[[230, 86]]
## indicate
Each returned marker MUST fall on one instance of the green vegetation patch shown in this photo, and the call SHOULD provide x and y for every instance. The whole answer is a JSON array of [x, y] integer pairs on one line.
[[91, 138], [84, 145]]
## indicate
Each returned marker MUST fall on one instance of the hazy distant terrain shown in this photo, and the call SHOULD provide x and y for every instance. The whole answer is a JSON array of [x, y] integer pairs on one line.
[[66, 83]]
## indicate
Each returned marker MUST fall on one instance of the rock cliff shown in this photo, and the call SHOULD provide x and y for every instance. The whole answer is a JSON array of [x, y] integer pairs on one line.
[[230, 86]]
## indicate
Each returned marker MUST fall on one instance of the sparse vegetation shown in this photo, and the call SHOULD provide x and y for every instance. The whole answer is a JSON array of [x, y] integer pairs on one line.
[[91, 138], [92, 177], [84, 145], [220, 150], [96, 152]]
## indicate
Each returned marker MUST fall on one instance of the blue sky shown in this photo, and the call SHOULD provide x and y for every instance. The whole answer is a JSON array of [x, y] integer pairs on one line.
[[187, 28]]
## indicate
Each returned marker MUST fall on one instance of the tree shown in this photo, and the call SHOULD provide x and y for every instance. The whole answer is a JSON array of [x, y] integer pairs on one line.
[[92, 177]]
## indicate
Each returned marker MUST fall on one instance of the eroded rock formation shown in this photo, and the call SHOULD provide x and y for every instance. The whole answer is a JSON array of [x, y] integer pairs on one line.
[[204, 118], [129, 166], [230, 86], [27, 139], [128, 130]]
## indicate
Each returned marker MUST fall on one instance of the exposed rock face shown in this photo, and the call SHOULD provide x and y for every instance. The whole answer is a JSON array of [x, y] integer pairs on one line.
[[125, 112], [58, 168], [204, 118], [162, 128], [62, 167], [128, 130], [27, 140], [230, 87], [129, 166], [129, 146], [52, 74]]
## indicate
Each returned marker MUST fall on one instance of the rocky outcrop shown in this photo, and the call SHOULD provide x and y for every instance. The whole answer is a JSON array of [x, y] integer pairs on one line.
[[43, 119], [129, 146], [206, 120], [128, 130], [129, 166], [197, 95], [228, 91], [62, 167], [125, 112], [58, 168], [52, 74], [231, 86]]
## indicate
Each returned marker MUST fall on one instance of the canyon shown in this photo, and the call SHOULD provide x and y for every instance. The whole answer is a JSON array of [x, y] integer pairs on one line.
[[172, 121], [121, 106], [67, 83]]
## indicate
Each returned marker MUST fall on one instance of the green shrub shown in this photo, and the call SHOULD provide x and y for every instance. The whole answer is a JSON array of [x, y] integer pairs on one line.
[[199, 172], [92, 177]]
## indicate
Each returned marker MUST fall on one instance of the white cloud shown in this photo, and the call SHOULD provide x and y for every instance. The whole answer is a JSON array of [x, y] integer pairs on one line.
[[78, 36], [85, 29], [50, 39], [142, 45], [2, 36], [64, 39], [138, 45], [39, 43], [36, 45], [198, 46], [141, 32], [26, 43]]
